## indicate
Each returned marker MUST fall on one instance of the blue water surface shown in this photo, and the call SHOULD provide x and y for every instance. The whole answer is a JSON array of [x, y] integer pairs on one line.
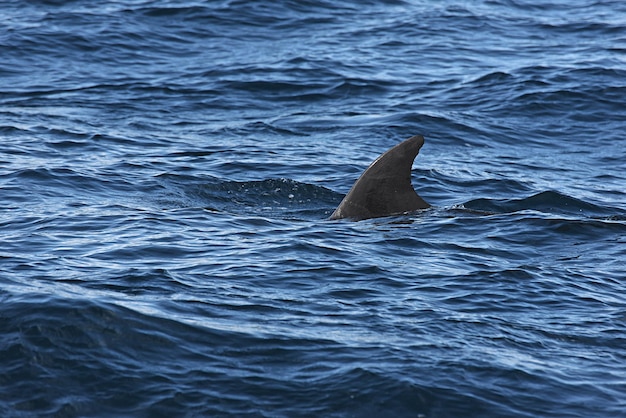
[[167, 172]]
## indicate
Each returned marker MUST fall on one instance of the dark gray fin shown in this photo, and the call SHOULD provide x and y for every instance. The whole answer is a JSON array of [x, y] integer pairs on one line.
[[385, 188]]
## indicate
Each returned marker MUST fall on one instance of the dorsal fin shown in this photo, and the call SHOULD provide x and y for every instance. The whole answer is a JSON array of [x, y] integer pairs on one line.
[[385, 187]]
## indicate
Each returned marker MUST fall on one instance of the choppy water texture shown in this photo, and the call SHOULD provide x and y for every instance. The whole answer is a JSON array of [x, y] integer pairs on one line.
[[166, 173]]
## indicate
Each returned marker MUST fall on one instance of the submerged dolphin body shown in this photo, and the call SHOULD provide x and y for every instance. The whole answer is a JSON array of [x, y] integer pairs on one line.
[[385, 188]]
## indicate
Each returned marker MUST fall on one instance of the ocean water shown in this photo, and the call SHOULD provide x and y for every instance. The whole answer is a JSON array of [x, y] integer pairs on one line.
[[168, 167]]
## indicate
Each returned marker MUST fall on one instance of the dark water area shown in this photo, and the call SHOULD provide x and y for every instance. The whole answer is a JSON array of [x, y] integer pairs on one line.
[[167, 172]]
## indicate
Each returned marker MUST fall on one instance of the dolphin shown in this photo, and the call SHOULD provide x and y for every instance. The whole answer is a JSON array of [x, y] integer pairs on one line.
[[385, 188]]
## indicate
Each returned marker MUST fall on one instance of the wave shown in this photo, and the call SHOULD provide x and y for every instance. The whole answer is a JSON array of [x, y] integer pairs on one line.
[[549, 202], [280, 197]]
